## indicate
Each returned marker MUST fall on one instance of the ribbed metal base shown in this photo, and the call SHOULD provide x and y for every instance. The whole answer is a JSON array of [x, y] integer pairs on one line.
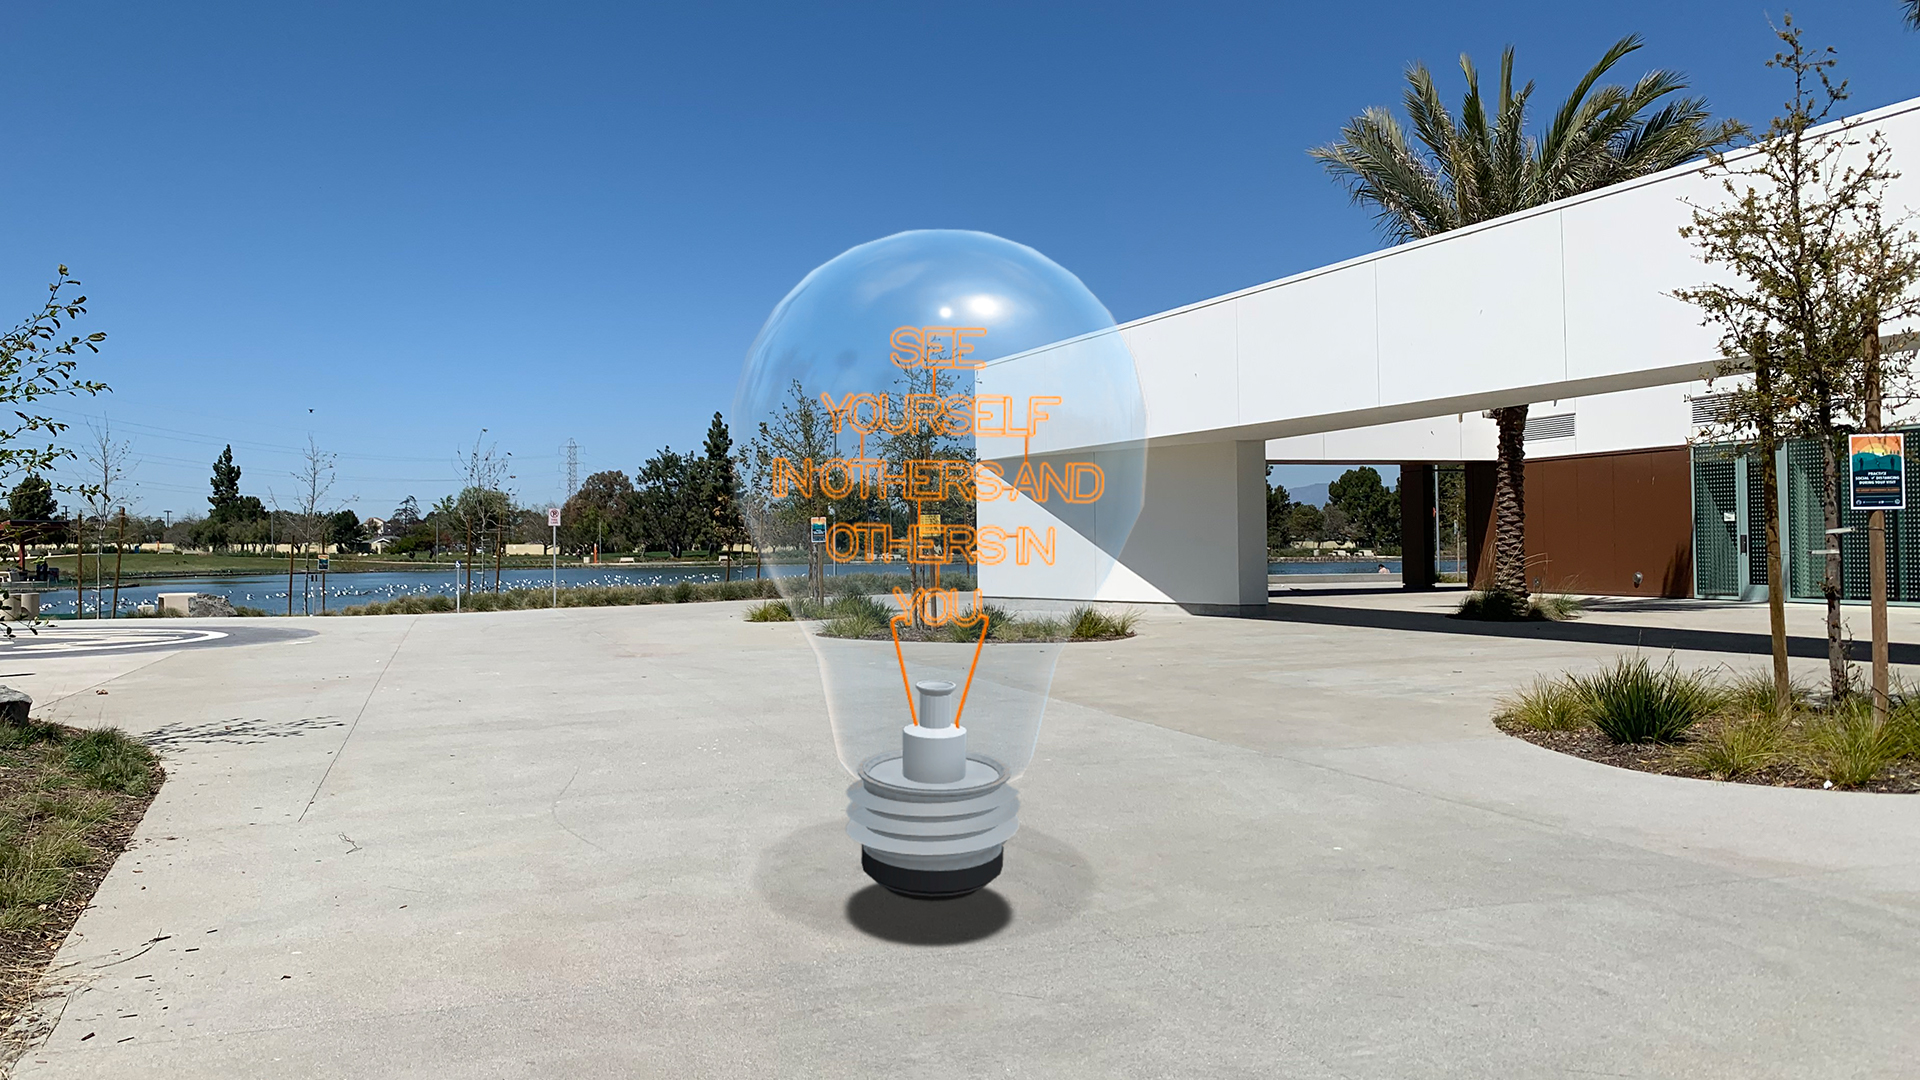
[[931, 884]]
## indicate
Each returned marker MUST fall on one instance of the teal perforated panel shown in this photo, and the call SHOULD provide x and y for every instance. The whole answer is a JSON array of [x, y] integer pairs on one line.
[[1716, 547]]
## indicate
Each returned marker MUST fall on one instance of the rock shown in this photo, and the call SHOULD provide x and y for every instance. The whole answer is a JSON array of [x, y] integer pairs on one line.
[[203, 605], [14, 706]]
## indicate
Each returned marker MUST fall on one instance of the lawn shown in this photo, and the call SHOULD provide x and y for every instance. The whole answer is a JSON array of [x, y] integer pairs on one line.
[[69, 802]]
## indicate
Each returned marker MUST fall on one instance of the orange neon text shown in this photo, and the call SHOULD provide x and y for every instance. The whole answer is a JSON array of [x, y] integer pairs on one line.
[[982, 415], [939, 607], [936, 480], [938, 545], [935, 346]]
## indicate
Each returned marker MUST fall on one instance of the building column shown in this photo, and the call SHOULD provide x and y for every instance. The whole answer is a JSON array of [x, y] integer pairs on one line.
[[1479, 480], [1416, 525]]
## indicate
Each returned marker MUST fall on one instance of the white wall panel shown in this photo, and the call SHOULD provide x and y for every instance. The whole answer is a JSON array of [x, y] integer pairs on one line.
[[1309, 347], [1453, 437], [1475, 311], [1624, 256], [1187, 370]]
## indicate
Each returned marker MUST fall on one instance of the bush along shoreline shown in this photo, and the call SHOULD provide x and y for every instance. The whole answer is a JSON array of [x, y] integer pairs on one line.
[[861, 616], [685, 592], [1713, 726]]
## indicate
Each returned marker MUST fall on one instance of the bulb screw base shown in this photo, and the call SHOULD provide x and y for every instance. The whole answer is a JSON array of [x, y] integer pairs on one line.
[[932, 884], [932, 840]]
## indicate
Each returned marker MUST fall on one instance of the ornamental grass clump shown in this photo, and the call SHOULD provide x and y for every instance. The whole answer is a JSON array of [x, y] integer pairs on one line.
[[1632, 702], [1089, 623], [1548, 705], [1740, 747], [1847, 749], [770, 611], [1753, 692]]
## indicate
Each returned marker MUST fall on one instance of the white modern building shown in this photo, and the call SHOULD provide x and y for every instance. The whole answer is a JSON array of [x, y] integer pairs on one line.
[[1394, 356]]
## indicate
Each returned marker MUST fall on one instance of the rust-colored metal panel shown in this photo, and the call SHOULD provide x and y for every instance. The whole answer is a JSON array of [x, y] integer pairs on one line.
[[1595, 520]]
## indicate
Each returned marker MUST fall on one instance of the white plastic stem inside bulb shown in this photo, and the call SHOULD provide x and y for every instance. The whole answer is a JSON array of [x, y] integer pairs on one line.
[[934, 751], [936, 704]]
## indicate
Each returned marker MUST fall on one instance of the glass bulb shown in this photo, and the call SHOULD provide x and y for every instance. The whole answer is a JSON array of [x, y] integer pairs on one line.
[[945, 441]]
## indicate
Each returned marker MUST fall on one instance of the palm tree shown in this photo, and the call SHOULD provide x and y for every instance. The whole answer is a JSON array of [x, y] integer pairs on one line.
[[1483, 164], [1913, 13]]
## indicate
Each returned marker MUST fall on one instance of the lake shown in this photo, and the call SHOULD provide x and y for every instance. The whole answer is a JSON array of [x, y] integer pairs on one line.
[[269, 591]]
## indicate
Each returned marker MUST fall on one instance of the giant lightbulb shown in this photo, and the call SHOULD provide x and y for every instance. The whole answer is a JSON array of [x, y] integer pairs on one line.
[[945, 433]]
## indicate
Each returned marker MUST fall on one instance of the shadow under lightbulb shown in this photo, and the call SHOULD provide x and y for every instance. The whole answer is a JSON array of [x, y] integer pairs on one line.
[[942, 427]]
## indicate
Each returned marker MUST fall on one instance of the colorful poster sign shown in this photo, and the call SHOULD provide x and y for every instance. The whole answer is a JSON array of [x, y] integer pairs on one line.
[[819, 530], [1878, 466]]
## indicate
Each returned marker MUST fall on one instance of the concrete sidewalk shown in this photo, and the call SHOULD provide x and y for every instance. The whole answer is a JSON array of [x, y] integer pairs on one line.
[[607, 843]]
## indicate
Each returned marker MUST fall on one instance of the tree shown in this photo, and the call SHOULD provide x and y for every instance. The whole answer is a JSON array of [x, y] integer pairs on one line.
[[601, 512], [405, 517], [802, 432], [1815, 272], [668, 501], [1372, 511], [307, 519], [1913, 14], [32, 500], [37, 362], [106, 461], [1483, 165], [1306, 522], [343, 529], [717, 486], [226, 485], [1279, 515], [483, 504]]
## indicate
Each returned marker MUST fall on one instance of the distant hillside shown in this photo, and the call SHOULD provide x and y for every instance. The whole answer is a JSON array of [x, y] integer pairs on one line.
[[1309, 494]]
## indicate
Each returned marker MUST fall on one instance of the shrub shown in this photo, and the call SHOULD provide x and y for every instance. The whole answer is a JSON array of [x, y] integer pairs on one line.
[[1557, 607], [1548, 705], [770, 611], [1633, 703], [858, 624], [1847, 748], [1492, 606], [1496, 606], [1740, 747], [1088, 623], [1752, 692]]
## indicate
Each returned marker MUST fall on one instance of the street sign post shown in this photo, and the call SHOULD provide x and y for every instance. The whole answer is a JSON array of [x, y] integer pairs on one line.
[[553, 522]]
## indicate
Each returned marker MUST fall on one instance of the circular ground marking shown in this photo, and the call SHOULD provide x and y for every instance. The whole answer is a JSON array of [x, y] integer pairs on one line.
[[60, 639]]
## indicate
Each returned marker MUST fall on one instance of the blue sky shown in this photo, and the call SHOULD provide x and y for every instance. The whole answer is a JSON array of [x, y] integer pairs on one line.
[[388, 226]]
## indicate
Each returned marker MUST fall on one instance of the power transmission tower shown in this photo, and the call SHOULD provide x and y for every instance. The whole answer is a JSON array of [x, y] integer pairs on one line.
[[573, 467]]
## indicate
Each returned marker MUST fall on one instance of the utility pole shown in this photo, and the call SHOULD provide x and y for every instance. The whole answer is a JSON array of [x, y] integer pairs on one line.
[[118, 547], [573, 467]]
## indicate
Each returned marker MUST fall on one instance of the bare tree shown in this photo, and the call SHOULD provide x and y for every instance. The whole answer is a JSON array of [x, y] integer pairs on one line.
[[106, 471], [483, 505], [313, 490]]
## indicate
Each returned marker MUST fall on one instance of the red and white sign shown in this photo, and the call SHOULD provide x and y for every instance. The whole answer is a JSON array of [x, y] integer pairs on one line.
[[553, 517]]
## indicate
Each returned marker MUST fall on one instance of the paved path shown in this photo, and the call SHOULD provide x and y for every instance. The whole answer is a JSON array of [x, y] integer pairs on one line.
[[607, 843]]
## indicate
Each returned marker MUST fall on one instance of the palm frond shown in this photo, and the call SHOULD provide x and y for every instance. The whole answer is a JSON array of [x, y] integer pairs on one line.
[[1377, 166], [1482, 164], [1564, 121]]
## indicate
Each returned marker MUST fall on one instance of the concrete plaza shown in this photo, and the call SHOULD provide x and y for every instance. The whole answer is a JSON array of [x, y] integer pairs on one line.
[[608, 843]]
